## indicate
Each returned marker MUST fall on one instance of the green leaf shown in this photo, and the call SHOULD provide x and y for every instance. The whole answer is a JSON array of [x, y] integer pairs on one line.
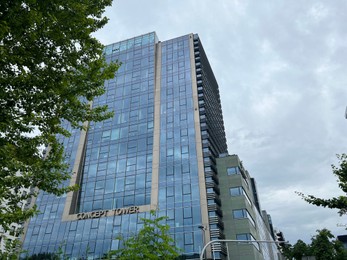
[[51, 68], [339, 202], [151, 242]]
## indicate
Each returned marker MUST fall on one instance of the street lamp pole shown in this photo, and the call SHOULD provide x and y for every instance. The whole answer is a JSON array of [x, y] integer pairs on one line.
[[203, 229], [235, 240]]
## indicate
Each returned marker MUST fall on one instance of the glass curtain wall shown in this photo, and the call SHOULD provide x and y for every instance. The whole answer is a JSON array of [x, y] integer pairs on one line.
[[116, 165], [179, 197]]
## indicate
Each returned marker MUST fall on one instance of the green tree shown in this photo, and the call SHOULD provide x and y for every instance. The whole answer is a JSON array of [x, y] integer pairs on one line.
[[51, 68], [300, 249], [44, 256], [151, 242], [322, 247], [341, 252], [339, 202], [11, 249]]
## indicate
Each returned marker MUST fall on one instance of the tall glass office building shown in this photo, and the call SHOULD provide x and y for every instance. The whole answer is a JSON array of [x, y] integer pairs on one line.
[[158, 152]]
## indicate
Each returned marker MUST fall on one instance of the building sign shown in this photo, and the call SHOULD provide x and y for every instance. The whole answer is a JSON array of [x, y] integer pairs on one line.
[[130, 210], [104, 213]]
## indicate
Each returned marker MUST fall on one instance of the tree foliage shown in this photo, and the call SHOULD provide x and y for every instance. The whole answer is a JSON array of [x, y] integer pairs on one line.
[[51, 68], [301, 249], [297, 251], [322, 247], [339, 202], [11, 249], [151, 242], [44, 256]]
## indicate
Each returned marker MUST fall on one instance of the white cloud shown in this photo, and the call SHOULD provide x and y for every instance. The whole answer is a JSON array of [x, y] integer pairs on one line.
[[318, 12]]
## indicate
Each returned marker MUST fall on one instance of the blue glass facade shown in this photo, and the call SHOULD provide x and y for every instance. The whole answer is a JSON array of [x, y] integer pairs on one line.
[[178, 170], [140, 159], [118, 158]]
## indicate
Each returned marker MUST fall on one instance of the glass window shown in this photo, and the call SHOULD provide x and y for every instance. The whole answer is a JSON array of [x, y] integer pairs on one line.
[[92, 170], [170, 191], [109, 186], [184, 132], [248, 236], [188, 238], [243, 236], [97, 204], [238, 213], [169, 151], [100, 184], [236, 191], [233, 170], [185, 149], [242, 214]]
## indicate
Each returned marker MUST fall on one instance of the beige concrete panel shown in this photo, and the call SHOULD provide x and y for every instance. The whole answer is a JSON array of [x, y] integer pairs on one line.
[[156, 130], [201, 173], [72, 196]]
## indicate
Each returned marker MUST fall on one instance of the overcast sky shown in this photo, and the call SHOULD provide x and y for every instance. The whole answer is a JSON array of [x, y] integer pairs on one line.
[[281, 69]]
